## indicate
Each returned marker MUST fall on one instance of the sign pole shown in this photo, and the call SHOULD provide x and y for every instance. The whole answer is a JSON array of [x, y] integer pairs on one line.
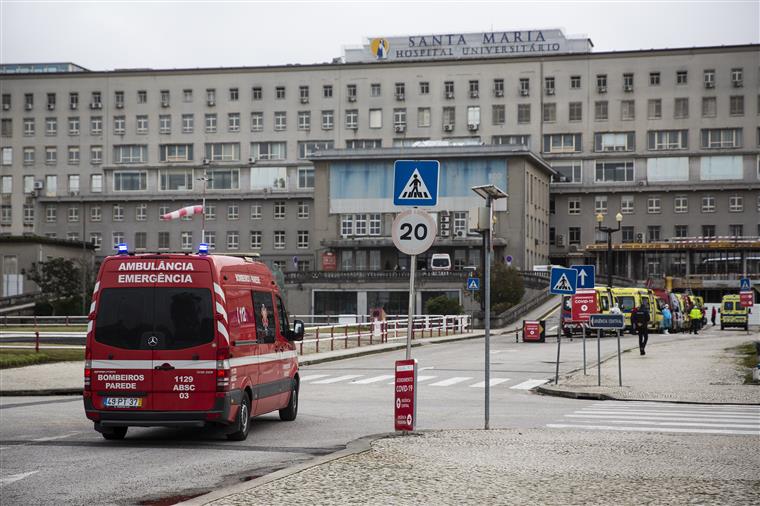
[[556, 371], [599, 357], [409, 323], [487, 282], [584, 348], [620, 368]]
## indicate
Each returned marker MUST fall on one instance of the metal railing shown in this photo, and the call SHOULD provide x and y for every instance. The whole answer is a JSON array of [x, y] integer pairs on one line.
[[41, 321], [380, 332]]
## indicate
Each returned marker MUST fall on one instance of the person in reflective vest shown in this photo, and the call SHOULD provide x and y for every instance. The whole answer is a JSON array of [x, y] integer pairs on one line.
[[696, 319]]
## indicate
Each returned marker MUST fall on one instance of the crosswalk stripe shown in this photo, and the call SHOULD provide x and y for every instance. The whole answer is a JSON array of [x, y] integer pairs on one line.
[[491, 382], [527, 385], [450, 381], [667, 418], [337, 379], [374, 379], [668, 414], [312, 377], [664, 406], [652, 429], [420, 379], [688, 424]]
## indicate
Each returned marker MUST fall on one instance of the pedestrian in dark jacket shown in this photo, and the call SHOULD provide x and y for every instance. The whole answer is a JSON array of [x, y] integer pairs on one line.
[[714, 315], [640, 322]]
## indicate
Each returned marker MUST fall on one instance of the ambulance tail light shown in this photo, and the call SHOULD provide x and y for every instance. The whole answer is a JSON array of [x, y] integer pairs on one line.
[[222, 369], [87, 372]]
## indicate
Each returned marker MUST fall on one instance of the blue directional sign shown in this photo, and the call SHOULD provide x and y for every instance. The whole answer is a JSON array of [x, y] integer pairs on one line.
[[415, 183], [563, 281], [745, 285], [586, 275], [606, 321], [473, 284]]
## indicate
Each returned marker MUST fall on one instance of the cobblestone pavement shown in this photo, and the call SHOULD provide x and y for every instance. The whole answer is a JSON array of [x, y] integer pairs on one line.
[[533, 466], [687, 370]]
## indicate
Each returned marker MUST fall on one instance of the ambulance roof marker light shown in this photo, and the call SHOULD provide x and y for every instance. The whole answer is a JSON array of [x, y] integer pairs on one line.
[[121, 249], [203, 249]]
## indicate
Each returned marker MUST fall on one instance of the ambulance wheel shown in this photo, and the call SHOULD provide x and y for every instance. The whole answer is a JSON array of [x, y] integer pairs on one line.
[[115, 434], [289, 413], [243, 421]]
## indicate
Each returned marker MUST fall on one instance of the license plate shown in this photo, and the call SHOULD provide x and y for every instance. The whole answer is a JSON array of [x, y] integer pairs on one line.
[[122, 402]]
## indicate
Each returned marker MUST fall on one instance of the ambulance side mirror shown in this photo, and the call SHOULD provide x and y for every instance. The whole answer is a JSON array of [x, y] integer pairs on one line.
[[298, 330]]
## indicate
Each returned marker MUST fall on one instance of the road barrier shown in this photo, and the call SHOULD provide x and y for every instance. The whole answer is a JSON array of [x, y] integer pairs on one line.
[[378, 332]]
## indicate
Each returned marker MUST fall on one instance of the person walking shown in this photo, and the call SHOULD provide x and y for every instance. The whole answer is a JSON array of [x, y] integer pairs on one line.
[[640, 321], [714, 315], [667, 319], [696, 319]]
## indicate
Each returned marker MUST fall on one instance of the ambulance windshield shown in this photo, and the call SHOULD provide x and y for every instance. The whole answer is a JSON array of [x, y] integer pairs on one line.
[[175, 317]]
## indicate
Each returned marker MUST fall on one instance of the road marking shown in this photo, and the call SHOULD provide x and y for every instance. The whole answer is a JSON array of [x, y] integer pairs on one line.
[[553, 328], [668, 418], [672, 414], [527, 385], [426, 368], [652, 429], [367, 381], [337, 379], [450, 381], [53, 438], [724, 425], [15, 477], [312, 377], [491, 382]]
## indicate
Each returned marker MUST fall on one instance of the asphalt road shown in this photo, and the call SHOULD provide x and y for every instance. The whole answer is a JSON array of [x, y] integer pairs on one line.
[[49, 452]]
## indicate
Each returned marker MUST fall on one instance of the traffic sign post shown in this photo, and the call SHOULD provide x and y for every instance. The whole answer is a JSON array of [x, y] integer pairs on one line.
[[413, 233], [608, 322], [415, 183], [586, 276], [745, 285], [473, 284], [405, 397], [563, 281]]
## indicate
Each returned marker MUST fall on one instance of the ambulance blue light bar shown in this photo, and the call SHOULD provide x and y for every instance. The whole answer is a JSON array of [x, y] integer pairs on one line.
[[121, 249], [203, 249]]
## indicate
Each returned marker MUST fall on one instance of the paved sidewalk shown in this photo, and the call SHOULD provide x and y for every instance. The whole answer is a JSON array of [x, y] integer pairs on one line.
[[687, 369]]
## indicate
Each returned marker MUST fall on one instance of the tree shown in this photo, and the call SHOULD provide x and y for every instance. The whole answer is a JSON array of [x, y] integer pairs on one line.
[[60, 281], [443, 305], [507, 287]]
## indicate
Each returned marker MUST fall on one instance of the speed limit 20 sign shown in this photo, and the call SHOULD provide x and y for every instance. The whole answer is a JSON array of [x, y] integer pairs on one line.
[[414, 231]]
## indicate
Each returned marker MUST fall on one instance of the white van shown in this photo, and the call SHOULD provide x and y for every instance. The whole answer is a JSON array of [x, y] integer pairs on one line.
[[440, 262]]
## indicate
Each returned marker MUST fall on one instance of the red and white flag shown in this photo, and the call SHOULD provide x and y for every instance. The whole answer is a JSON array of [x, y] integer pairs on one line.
[[185, 211]]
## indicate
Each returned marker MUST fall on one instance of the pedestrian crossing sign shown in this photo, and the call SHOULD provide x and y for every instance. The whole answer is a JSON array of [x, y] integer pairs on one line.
[[563, 281], [745, 285], [415, 183], [473, 284]]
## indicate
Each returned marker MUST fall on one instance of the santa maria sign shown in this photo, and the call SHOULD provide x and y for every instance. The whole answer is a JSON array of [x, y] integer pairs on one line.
[[468, 45]]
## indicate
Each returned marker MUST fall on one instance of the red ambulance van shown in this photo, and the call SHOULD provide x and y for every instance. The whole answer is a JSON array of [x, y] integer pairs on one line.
[[186, 341]]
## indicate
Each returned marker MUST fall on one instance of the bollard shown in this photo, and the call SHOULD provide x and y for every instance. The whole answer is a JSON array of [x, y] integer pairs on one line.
[[36, 341], [332, 338], [359, 337], [317, 351], [517, 336], [345, 341], [301, 347]]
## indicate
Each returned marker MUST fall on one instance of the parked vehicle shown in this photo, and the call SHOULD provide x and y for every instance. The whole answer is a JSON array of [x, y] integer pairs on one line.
[[628, 298], [188, 341], [732, 313], [440, 262], [570, 326], [671, 299], [686, 305]]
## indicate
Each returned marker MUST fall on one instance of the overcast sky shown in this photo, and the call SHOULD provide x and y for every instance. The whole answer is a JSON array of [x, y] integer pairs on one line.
[[176, 34]]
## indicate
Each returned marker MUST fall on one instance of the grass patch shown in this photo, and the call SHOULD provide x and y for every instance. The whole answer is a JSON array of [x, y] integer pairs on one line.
[[747, 358], [12, 357]]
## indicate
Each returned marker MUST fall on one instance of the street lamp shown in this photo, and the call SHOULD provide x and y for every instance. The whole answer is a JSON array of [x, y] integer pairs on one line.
[[490, 193], [205, 178], [609, 231]]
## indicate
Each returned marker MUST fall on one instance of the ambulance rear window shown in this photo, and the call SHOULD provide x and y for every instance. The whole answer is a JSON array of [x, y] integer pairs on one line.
[[626, 303], [178, 317]]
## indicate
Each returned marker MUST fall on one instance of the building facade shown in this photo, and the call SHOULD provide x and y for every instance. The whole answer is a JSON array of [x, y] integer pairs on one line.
[[667, 137]]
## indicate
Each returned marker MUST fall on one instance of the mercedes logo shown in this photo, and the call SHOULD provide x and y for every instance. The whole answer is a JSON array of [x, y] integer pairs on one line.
[[152, 341]]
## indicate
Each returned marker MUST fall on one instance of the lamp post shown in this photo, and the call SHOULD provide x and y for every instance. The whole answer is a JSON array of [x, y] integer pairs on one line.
[[205, 178], [490, 193], [609, 231]]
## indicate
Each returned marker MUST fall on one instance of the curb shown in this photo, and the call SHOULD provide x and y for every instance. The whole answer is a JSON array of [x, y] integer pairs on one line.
[[360, 445], [40, 393]]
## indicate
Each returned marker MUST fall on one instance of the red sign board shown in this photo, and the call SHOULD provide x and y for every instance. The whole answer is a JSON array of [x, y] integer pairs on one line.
[[747, 299], [584, 304], [329, 261], [405, 413], [533, 330]]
